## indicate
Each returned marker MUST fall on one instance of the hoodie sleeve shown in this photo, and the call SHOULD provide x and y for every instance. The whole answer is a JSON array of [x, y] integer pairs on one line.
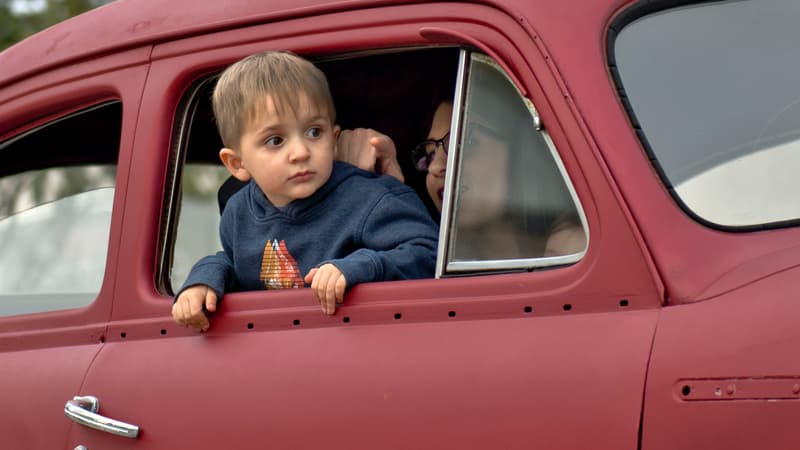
[[212, 271], [398, 239]]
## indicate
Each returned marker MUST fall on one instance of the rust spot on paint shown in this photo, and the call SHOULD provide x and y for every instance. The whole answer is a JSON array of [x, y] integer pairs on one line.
[[140, 26]]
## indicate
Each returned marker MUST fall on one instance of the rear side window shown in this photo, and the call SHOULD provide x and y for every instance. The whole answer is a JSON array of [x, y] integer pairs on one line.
[[714, 89], [513, 206], [56, 195]]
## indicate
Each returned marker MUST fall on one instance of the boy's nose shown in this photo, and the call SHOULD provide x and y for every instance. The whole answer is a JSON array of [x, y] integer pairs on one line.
[[299, 151]]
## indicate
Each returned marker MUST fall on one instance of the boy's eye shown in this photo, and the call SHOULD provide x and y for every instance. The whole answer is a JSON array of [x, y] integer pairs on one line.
[[274, 141], [314, 132]]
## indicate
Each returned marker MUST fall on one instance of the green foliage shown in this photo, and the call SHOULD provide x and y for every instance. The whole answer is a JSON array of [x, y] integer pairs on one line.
[[15, 26]]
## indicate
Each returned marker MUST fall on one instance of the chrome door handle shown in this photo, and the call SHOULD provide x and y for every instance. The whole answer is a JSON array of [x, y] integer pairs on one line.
[[83, 410]]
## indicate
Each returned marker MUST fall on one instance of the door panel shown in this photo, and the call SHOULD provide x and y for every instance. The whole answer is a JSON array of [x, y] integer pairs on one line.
[[501, 383], [725, 372]]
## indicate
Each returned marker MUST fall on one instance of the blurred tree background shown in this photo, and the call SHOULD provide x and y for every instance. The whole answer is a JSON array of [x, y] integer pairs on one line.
[[22, 18]]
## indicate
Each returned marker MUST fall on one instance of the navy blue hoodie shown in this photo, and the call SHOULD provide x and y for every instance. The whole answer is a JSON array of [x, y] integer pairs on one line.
[[370, 227]]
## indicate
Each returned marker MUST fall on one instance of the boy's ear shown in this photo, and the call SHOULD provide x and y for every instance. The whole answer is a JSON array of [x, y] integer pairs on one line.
[[233, 162], [336, 130]]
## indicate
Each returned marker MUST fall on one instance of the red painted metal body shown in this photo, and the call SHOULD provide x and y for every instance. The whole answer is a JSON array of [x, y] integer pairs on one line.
[[659, 301]]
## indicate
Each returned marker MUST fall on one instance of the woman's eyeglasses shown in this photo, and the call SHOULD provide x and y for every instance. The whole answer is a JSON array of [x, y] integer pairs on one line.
[[423, 154]]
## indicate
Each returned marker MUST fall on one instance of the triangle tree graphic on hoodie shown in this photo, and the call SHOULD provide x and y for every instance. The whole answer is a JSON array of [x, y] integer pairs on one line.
[[279, 269]]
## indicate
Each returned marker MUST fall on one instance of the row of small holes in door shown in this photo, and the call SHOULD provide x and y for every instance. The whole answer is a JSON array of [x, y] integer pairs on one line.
[[397, 316]]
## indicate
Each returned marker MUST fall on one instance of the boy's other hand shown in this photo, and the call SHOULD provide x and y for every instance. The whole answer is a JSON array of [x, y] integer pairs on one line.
[[370, 150], [188, 310], [328, 284]]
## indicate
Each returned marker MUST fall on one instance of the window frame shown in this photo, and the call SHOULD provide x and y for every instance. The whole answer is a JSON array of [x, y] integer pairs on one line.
[[173, 197]]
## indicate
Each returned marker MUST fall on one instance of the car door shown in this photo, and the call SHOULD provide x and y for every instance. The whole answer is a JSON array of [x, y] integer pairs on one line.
[[724, 371], [493, 352], [62, 137]]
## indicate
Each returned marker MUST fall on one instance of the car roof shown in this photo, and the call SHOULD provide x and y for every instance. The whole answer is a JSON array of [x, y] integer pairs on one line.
[[125, 24], [128, 24]]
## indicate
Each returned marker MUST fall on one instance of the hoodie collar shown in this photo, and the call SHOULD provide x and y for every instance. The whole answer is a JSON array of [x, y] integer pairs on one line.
[[263, 209]]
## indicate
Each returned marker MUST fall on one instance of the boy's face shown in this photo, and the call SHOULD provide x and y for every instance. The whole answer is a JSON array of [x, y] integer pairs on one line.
[[289, 155]]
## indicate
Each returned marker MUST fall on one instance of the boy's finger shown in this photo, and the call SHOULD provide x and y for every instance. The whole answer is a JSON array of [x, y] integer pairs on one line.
[[194, 312], [211, 301], [330, 294], [341, 284], [310, 276], [200, 323], [185, 311], [176, 313], [321, 282]]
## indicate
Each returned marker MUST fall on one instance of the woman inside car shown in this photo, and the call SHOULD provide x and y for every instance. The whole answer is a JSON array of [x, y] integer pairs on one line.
[[487, 224]]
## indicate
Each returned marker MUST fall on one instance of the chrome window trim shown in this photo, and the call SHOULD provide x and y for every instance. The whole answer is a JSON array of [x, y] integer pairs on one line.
[[452, 158]]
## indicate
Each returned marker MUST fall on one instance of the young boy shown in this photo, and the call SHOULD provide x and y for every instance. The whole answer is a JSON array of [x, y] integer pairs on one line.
[[303, 218]]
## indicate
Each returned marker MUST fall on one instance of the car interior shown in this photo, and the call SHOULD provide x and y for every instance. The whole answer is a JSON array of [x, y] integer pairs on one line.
[[391, 92]]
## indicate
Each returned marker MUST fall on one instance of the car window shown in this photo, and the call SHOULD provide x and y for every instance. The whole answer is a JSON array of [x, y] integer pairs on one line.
[[55, 211], [720, 115], [525, 184], [513, 206]]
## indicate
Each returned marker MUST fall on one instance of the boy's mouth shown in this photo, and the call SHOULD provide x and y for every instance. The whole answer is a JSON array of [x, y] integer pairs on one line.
[[301, 176]]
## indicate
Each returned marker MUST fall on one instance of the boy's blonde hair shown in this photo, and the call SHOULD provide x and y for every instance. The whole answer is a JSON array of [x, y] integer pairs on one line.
[[242, 88]]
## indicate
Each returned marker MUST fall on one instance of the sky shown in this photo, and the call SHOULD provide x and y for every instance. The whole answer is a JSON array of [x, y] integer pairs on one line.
[[27, 6]]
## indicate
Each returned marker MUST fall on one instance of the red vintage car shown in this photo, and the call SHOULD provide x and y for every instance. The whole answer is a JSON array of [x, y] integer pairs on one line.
[[668, 130]]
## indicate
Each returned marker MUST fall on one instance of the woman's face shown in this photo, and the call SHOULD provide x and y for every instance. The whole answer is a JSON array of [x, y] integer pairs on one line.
[[485, 154], [483, 190], [436, 171]]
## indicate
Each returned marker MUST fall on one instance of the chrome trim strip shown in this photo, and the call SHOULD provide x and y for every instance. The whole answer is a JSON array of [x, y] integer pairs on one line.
[[452, 159], [513, 264]]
